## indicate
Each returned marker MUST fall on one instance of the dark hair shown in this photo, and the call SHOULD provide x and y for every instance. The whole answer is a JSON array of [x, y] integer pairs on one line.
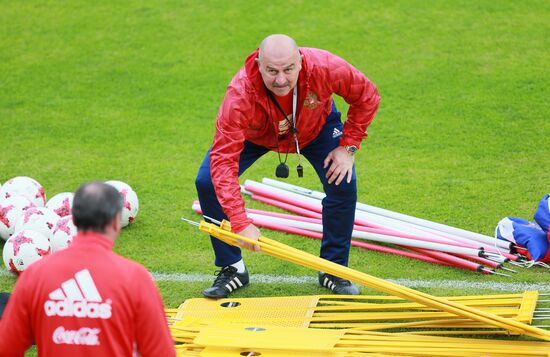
[[95, 205]]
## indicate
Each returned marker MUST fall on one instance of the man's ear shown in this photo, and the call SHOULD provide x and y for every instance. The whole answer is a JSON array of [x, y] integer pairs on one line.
[[117, 224]]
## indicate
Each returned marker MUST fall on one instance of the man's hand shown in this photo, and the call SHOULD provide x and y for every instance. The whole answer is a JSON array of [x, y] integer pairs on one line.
[[252, 232], [341, 165]]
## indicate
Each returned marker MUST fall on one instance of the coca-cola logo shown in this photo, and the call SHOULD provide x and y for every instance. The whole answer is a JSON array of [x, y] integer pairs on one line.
[[83, 336]]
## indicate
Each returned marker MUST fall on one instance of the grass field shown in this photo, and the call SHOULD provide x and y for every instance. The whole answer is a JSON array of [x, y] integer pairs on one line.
[[129, 90]]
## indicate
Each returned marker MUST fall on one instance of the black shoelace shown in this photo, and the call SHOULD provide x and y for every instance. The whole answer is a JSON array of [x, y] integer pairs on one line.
[[224, 275], [339, 281]]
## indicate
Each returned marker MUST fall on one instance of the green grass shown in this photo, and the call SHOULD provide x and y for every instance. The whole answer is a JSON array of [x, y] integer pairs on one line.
[[130, 91]]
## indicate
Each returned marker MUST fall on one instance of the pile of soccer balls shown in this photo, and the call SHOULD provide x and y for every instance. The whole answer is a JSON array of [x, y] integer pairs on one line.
[[34, 227]]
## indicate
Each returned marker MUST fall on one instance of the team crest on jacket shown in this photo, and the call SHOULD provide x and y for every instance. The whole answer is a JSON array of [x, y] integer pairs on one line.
[[311, 101]]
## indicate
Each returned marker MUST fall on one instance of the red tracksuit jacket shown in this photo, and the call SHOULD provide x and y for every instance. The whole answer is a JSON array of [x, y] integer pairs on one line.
[[85, 301], [244, 115]]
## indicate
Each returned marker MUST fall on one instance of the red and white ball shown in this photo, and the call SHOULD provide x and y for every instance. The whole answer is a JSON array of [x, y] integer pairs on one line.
[[63, 233], [11, 209], [130, 201], [24, 248], [39, 219], [24, 186], [61, 204]]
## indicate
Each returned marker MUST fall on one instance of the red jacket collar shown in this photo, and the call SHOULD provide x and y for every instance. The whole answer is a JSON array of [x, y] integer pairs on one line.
[[93, 238]]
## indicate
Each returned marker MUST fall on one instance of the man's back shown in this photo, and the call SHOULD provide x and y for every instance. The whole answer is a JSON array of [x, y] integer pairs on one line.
[[84, 301]]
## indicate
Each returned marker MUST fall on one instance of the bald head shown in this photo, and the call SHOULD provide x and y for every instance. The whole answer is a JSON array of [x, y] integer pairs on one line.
[[278, 46], [280, 62], [95, 206]]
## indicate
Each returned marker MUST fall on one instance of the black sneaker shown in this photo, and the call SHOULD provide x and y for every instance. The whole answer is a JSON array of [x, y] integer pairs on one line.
[[227, 281], [338, 285]]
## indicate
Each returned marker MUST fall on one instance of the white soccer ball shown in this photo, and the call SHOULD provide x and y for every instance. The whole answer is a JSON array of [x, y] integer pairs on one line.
[[61, 203], [11, 209], [130, 201], [63, 233], [119, 185], [39, 219], [24, 248], [24, 186]]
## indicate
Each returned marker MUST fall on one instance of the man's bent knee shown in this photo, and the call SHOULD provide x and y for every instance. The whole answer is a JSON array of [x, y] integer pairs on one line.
[[343, 190], [203, 183]]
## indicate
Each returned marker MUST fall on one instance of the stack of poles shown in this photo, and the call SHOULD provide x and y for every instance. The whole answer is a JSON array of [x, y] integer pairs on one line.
[[425, 240], [296, 256], [312, 228], [203, 340], [374, 216]]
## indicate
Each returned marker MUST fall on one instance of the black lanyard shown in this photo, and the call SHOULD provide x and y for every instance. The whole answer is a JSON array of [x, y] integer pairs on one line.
[[299, 167], [293, 122]]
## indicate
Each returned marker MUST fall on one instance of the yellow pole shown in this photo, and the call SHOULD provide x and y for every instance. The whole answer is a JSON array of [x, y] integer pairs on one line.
[[304, 259]]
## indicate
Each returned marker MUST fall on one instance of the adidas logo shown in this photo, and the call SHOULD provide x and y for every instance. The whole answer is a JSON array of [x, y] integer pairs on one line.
[[78, 297], [336, 133], [328, 284], [233, 283]]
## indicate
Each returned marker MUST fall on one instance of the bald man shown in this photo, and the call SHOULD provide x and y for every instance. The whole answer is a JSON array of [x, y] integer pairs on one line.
[[281, 100]]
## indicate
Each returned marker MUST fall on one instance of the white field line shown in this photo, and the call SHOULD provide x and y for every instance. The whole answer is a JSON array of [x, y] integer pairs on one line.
[[288, 279]]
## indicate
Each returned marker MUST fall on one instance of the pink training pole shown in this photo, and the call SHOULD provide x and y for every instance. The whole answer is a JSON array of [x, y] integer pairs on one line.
[[267, 193], [295, 206], [420, 242], [453, 260], [364, 245], [314, 203], [429, 255], [299, 207], [358, 228], [256, 188], [430, 226], [433, 257], [311, 210], [360, 244], [481, 260], [286, 206]]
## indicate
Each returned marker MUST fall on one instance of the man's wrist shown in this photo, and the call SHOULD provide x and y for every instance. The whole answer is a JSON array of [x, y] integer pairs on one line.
[[351, 149]]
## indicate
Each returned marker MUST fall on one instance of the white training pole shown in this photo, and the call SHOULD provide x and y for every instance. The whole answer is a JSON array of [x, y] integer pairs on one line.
[[430, 225], [367, 236]]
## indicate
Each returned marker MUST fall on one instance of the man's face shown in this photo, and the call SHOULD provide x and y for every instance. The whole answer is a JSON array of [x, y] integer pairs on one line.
[[280, 74]]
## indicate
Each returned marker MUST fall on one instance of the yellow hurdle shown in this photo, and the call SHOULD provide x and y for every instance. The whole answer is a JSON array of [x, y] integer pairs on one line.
[[296, 256], [224, 339], [359, 312]]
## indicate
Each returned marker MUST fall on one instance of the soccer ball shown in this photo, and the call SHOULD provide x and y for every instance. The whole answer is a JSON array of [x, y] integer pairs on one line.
[[23, 249], [119, 185], [63, 233], [61, 203], [39, 219], [24, 186], [131, 203], [10, 210]]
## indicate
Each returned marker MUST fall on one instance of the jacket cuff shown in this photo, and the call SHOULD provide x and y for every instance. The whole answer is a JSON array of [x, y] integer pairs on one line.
[[344, 141], [239, 222]]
